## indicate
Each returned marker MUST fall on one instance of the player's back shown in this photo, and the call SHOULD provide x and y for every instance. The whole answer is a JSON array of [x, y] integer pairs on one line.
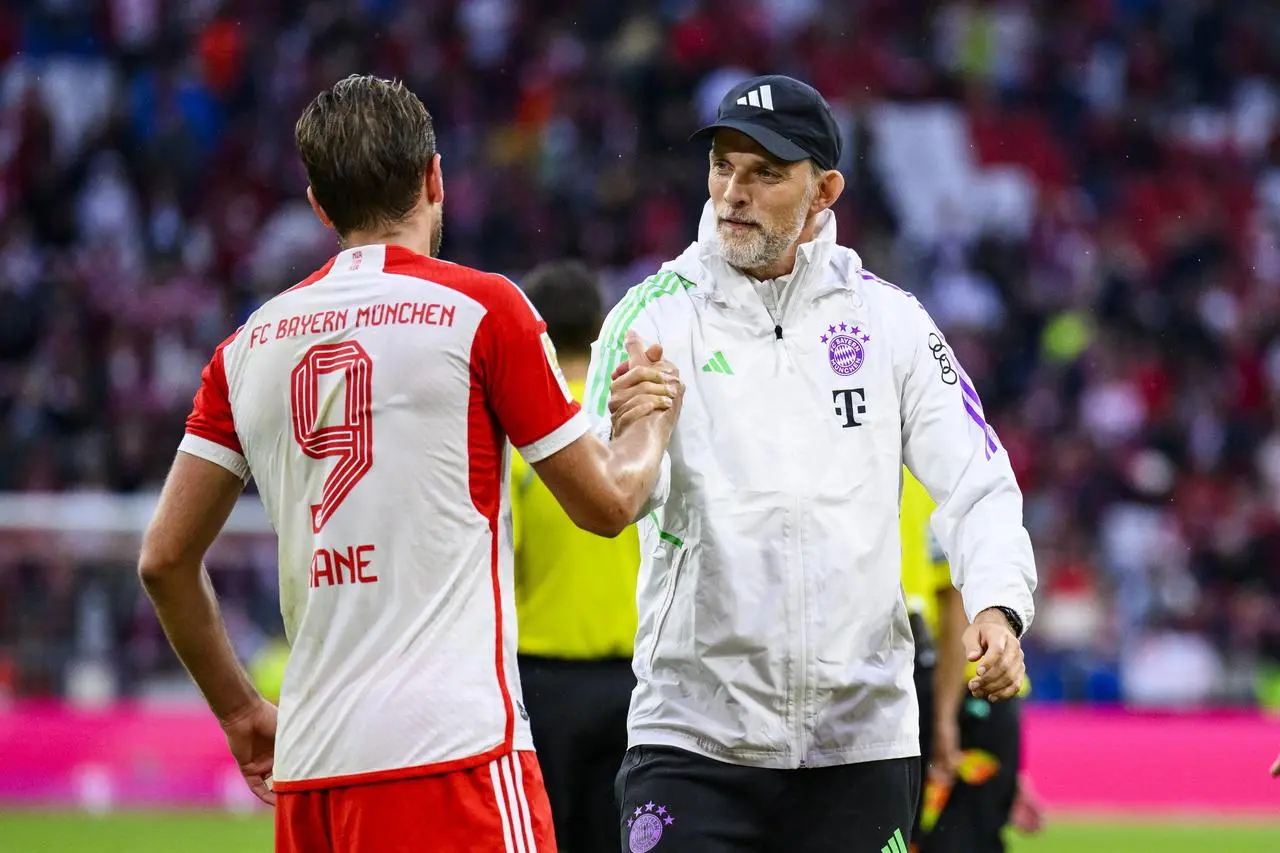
[[364, 402]]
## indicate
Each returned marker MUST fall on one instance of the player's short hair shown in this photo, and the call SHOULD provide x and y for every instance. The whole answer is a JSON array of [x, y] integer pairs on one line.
[[366, 144], [566, 294]]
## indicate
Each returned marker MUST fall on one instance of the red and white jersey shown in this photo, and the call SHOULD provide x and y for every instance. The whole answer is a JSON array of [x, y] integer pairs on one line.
[[373, 404]]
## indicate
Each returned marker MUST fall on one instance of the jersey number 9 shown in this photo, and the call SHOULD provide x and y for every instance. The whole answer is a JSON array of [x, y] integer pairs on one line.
[[352, 439]]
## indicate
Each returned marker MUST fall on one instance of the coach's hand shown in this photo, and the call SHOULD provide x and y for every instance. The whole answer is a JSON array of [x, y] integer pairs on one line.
[[991, 642], [251, 734], [642, 384]]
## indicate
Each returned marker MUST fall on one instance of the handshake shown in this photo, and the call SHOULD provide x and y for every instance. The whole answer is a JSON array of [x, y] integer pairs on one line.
[[642, 385]]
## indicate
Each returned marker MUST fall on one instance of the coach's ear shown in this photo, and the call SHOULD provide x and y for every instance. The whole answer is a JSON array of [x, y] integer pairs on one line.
[[319, 211], [433, 182]]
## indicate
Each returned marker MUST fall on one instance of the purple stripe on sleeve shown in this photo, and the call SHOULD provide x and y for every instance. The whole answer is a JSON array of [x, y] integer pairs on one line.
[[872, 277], [978, 419]]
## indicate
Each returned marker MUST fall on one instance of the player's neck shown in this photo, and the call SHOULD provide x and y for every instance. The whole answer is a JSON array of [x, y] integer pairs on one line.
[[414, 234], [574, 367]]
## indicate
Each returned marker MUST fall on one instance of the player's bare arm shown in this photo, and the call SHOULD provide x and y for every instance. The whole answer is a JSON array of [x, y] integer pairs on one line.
[[949, 682], [197, 498], [602, 487]]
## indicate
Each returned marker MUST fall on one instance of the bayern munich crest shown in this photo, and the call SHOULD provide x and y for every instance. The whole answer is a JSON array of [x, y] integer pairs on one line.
[[647, 824], [846, 348]]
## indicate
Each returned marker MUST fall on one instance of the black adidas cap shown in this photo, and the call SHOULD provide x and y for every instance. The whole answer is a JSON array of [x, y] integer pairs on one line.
[[788, 118]]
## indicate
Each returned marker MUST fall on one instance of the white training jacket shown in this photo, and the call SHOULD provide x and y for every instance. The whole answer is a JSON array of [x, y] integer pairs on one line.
[[773, 628]]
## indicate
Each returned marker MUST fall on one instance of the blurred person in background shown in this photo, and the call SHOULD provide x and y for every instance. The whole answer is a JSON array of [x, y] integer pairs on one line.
[[576, 602], [924, 572], [970, 747], [775, 709], [399, 726]]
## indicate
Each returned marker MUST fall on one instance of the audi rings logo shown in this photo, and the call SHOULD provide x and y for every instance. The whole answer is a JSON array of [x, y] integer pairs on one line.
[[943, 357]]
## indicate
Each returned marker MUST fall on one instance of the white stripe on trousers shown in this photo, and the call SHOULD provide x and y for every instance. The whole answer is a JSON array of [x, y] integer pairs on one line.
[[513, 805], [500, 797], [523, 802]]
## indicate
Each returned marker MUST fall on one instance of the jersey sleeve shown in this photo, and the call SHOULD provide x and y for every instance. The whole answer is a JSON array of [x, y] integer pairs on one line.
[[949, 446], [211, 427], [522, 380]]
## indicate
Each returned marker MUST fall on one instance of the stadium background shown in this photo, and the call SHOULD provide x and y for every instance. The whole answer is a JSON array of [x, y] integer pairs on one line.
[[1085, 193]]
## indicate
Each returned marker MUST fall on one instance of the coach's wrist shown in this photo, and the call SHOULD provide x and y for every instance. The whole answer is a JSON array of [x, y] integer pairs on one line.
[[1006, 615]]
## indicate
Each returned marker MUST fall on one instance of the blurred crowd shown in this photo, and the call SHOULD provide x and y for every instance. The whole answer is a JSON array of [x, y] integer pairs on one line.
[[1085, 193]]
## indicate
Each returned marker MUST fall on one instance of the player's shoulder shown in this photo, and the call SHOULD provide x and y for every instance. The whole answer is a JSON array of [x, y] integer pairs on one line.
[[281, 301], [492, 290], [387, 272]]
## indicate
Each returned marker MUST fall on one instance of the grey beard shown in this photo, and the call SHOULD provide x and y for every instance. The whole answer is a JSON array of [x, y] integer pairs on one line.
[[762, 249]]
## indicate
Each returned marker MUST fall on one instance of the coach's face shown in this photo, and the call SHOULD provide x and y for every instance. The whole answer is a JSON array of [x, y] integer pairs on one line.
[[761, 203]]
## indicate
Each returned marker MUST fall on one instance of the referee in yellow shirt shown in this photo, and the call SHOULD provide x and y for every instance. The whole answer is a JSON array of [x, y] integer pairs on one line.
[[576, 604], [925, 579], [971, 748]]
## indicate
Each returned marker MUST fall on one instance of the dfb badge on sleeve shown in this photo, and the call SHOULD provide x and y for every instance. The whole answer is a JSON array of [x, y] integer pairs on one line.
[[550, 350]]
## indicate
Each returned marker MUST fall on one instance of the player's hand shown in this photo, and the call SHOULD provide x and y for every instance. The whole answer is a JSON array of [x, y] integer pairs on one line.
[[641, 407], [649, 386], [1275, 768], [991, 642], [1027, 813], [946, 758], [251, 734]]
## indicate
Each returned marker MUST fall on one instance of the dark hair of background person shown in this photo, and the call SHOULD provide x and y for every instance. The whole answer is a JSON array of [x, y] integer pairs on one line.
[[567, 296]]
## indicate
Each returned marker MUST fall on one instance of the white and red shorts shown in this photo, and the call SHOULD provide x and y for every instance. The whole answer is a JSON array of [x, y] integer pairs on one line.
[[498, 807]]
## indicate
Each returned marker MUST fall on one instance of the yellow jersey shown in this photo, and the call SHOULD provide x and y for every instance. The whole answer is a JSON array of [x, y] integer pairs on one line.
[[924, 566], [575, 591]]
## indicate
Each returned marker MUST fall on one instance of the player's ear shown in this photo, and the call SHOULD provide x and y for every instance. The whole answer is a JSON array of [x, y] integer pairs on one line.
[[319, 211], [433, 182]]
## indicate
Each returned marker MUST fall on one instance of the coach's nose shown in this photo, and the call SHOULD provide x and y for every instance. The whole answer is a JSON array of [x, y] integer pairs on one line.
[[735, 193]]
